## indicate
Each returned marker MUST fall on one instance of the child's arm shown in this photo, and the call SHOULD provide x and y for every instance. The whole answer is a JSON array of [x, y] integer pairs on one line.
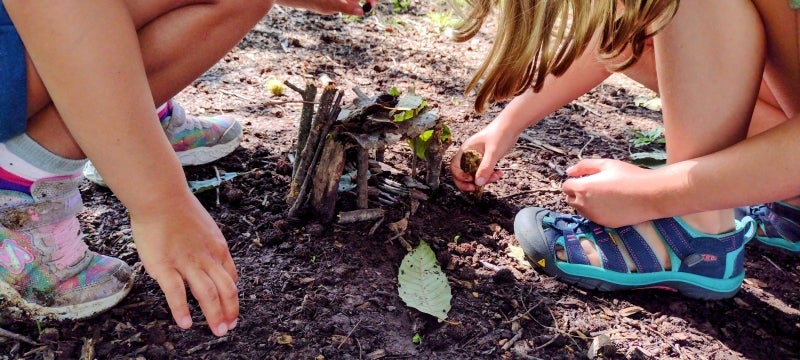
[[709, 73], [87, 54], [497, 138]]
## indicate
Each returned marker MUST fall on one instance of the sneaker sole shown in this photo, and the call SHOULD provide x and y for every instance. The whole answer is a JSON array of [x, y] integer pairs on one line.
[[10, 298], [205, 155]]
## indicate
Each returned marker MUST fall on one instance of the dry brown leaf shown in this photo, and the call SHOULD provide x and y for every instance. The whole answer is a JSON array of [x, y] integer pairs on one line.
[[631, 310]]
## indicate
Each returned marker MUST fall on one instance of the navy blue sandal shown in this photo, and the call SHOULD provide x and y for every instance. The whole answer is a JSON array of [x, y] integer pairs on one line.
[[703, 266], [778, 224]]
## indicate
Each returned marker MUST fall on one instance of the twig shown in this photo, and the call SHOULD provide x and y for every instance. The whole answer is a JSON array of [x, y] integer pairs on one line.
[[580, 153], [542, 145], [555, 336], [666, 340], [515, 318], [347, 217], [587, 108], [490, 266], [375, 227], [87, 351], [773, 264], [18, 337], [306, 116], [237, 95], [270, 103], [293, 87], [348, 334], [528, 192], [363, 177], [207, 344], [511, 342], [219, 183]]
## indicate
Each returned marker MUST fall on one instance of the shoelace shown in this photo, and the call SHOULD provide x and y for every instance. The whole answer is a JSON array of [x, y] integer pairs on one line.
[[569, 224], [66, 241]]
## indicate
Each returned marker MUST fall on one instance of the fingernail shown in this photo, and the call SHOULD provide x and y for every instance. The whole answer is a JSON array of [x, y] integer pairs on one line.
[[222, 330], [358, 11], [480, 181], [184, 322], [233, 324]]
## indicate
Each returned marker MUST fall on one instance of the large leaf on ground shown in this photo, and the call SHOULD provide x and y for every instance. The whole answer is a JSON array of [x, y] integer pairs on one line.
[[422, 284]]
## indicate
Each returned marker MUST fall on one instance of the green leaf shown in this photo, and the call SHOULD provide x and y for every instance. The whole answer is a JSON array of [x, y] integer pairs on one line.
[[446, 133], [199, 186], [651, 160], [409, 102], [648, 137], [422, 284], [394, 92]]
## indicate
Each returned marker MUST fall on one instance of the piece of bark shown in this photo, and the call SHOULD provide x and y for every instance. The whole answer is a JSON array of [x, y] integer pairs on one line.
[[306, 117], [434, 155], [363, 177], [347, 217], [319, 129], [325, 185]]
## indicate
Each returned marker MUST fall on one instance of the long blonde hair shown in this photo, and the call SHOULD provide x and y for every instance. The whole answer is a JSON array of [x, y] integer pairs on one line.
[[536, 38]]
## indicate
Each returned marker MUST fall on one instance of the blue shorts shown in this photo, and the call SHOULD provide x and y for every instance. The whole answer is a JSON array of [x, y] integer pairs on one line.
[[13, 80]]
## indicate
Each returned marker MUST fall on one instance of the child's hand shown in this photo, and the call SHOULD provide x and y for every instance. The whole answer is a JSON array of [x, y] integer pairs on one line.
[[612, 193], [180, 244], [325, 7], [493, 145]]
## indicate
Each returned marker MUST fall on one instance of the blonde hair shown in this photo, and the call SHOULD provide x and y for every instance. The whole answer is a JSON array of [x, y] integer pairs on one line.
[[536, 38]]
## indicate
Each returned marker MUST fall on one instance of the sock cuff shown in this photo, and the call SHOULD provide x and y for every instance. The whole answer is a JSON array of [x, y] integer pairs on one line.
[[27, 149]]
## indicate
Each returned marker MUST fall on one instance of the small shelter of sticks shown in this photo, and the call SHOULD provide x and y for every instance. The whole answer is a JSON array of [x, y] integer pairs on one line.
[[368, 125]]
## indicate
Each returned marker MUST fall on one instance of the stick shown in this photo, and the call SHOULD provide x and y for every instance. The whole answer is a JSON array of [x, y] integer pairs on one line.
[[347, 217], [330, 111], [580, 153], [306, 115], [363, 176], [207, 344], [348, 334], [434, 155], [528, 192], [18, 337], [304, 160], [511, 342]]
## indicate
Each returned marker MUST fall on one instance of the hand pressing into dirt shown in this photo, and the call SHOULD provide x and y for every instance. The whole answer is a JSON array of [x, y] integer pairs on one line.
[[186, 248]]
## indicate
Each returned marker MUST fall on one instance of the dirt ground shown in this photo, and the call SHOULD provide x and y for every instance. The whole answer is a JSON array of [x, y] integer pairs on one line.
[[330, 292]]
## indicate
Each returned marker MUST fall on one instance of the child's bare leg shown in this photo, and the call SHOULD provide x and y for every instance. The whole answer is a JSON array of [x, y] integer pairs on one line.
[[119, 127], [703, 116], [164, 28]]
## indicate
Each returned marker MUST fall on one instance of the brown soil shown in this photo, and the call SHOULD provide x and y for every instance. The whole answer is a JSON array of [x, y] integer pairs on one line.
[[330, 292]]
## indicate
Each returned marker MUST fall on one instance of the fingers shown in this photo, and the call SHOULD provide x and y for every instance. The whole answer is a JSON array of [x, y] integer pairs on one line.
[[586, 167], [175, 293], [215, 290], [486, 172], [217, 295], [352, 8], [462, 180]]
